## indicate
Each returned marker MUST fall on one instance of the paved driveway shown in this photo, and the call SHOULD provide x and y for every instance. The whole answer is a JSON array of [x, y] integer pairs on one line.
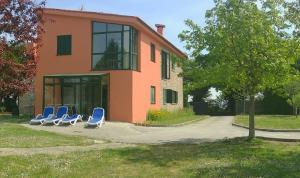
[[209, 129]]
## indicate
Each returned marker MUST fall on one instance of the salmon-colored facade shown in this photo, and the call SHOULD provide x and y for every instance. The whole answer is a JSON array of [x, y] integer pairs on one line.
[[128, 96]]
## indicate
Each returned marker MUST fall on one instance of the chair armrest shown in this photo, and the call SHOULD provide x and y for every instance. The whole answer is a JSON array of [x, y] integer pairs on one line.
[[38, 116], [50, 116], [64, 116]]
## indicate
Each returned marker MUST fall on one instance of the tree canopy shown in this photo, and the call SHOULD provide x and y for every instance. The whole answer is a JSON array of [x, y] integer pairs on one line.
[[248, 45], [20, 24]]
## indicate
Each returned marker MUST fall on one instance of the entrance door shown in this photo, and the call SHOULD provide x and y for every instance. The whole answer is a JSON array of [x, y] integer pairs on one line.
[[90, 94]]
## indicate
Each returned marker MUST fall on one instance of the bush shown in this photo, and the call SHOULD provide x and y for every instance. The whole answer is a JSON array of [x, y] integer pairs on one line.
[[2, 109], [154, 115]]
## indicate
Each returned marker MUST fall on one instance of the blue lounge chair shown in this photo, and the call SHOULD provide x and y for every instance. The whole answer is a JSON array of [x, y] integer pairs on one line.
[[97, 119], [72, 120], [61, 114], [48, 113]]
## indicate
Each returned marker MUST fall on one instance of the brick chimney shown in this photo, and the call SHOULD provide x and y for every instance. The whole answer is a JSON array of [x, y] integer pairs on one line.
[[160, 28]]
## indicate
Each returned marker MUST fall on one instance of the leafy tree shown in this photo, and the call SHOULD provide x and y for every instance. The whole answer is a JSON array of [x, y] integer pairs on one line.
[[19, 40], [297, 103], [291, 91], [249, 45]]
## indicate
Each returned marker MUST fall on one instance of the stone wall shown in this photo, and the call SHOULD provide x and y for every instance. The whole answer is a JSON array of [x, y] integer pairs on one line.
[[174, 83]]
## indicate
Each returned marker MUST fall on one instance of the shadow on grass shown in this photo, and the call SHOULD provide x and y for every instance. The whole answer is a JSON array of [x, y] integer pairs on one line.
[[15, 119], [227, 158]]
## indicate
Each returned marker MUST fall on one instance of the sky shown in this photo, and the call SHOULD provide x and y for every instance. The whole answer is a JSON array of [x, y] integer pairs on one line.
[[171, 13]]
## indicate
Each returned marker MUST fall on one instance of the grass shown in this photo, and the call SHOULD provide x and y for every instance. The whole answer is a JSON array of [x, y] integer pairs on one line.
[[231, 158], [14, 135], [167, 118], [271, 121]]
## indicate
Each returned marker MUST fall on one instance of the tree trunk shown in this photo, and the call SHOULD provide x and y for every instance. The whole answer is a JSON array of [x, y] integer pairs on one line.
[[251, 118], [295, 111]]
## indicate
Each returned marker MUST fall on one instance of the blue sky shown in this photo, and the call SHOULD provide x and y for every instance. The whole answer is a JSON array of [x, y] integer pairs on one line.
[[172, 13]]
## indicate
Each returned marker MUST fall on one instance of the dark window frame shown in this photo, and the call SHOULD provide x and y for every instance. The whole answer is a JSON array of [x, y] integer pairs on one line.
[[152, 51], [118, 63], [66, 48], [153, 98], [165, 65], [170, 96]]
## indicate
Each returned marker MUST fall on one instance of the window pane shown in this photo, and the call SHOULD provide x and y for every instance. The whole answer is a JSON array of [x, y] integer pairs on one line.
[[98, 61], [114, 27], [126, 60], [164, 96], [114, 41], [152, 52], [99, 27], [126, 27], [165, 68], [57, 94], [152, 93], [134, 64], [71, 80], [49, 81], [126, 42], [134, 41], [169, 96], [99, 43], [49, 95]]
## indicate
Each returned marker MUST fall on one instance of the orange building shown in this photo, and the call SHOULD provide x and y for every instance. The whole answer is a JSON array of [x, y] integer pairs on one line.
[[117, 62]]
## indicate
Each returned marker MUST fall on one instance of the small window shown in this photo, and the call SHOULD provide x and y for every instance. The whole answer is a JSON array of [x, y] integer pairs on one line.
[[152, 52], [153, 95], [170, 96], [64, 45]]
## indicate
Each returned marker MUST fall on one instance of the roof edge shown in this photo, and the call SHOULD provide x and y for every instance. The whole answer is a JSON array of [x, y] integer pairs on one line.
[[137, 19]]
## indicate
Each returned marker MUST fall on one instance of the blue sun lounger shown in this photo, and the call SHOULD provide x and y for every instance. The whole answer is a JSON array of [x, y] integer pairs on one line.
[[48, 113], [72, 120], [62, 113], [97, 118]]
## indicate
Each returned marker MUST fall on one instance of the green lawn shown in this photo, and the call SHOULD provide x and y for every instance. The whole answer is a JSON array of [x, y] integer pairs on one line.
[[271, 121], [231, 158], [14, 135], [167, 118]]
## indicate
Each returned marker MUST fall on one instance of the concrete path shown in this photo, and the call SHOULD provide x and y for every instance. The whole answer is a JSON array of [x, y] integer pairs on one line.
[[210, 129]]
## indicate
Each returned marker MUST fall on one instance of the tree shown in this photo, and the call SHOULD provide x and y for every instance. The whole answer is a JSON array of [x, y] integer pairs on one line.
[[292, 91], [249, 45], [20, 25], [297, 103]]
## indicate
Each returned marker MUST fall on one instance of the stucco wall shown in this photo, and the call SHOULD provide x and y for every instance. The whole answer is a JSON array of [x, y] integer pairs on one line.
[[120, 96], [129, 91], [148, 76]]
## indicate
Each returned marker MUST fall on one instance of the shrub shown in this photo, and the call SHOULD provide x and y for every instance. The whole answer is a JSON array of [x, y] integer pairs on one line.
[[2, 109], [154, 115]]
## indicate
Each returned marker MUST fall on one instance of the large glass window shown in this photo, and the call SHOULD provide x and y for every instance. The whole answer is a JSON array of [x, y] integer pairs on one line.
[[114, 47], [82, 93]]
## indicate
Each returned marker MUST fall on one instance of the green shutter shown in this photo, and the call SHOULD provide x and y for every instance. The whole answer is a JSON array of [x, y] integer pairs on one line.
[[169, 96], [164, 96]]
